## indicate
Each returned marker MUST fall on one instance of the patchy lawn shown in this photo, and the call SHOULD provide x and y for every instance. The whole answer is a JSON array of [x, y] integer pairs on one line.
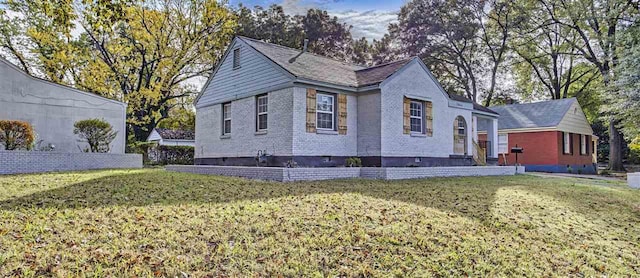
[[151, 222]]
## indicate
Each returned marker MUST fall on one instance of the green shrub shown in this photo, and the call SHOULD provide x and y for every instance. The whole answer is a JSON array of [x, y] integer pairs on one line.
[[15, 135], [634, 151], [97, 133], [353, 162], [164, 155]]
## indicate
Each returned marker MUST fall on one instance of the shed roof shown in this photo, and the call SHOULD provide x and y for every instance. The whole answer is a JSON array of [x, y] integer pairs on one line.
[[176, 134]]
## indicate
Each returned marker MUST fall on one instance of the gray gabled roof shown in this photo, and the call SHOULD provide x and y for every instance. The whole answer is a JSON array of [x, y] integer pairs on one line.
[[531, 115], [314, 67], [176, 134], [307, 65]]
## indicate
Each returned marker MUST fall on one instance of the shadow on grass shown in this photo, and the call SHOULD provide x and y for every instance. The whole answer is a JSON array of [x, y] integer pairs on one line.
[[471, 197]]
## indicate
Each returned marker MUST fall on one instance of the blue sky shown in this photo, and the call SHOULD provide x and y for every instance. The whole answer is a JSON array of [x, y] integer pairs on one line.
[[368, 18]]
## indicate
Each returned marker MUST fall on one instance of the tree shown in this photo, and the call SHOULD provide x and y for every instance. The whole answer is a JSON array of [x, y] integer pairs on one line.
[[361, 52], [147, 52], [16, 135], [13, 41], [597, 25], [95, 132], [141, 52], [547, 56], [179, 118], [327, 36], [625, 103], [444, 34], [495, 32]]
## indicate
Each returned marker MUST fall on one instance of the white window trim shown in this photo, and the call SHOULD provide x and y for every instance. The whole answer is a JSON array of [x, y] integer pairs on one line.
[[506, 143], [583, 144], [258, 113], [566, 147], [421, 117], [224, 120], [332, 113]]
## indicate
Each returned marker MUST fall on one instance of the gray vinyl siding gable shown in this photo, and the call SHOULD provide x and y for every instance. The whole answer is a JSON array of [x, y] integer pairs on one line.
[[256, 75]]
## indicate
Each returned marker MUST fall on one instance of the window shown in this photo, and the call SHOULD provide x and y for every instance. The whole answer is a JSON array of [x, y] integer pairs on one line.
[[236, 58], [415, 112], [503, 143], [261, 112], [226, 118], [566, 143], [461, 127], [583, 144], [325, 111]]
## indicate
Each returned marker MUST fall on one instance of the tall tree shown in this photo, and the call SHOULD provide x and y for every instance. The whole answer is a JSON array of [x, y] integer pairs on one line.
[[13, 41], [444, 34], [149, 51], [598, 24], [327, 36], [495, 32], [547, 56]]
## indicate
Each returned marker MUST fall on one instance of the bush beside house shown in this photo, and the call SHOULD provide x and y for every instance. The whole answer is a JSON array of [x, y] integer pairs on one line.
[[16, 135], [97, 133]]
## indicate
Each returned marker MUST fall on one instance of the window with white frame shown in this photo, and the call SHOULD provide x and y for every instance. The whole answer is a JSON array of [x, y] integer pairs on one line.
[[583, 144], [415, 114], [261, 112], [566, 146], [325, 115], [236, 58], [503, 143], [226, 118]]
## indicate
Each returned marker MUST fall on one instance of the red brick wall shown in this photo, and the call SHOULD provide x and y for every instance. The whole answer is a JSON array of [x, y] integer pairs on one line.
[[576, 158], [543, 148]]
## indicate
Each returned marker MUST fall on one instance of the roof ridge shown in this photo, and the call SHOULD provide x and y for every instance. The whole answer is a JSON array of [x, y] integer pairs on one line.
[[388, 63], [305, 52], [537, 102]]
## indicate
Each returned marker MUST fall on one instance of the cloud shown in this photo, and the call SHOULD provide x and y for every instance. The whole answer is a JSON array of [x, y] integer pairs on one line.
[[369, 24]]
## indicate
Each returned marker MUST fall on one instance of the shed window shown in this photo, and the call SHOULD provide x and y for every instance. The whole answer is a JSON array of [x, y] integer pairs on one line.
[[261, 112], [415, 111], [503, 143], [236, 58], [566, 143], [325, 117], [226, 118]]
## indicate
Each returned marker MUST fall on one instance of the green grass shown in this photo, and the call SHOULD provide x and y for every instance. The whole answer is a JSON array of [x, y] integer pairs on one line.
[[152, 222]]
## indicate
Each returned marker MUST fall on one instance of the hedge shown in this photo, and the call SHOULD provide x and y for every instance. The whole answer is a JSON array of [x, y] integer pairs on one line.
[[164, 155]]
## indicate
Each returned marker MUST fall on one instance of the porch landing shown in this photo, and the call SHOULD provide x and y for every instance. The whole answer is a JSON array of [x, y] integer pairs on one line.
[[311, 174]]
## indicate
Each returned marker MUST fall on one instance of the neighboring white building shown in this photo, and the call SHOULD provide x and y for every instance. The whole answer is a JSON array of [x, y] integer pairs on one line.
[[52, 109], [172, 137], [316, 111]]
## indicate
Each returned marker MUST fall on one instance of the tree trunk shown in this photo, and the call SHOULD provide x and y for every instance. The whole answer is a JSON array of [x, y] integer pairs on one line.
[[615, 147]]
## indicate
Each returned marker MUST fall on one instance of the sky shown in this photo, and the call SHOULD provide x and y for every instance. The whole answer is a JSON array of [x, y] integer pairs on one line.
[[368, 18]]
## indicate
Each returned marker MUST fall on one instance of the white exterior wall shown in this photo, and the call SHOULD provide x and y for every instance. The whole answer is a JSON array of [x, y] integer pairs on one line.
[[414, 81], [369, 125], [53, 109], [318, 144], [243, 140]]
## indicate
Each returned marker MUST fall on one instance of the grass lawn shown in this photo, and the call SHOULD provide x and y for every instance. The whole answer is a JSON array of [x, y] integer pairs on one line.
[[152, 222]]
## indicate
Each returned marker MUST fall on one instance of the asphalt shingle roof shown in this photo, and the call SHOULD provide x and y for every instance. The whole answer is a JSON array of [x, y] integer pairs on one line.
[[176, 134], [319, 68], [531, 115], [308, 65]]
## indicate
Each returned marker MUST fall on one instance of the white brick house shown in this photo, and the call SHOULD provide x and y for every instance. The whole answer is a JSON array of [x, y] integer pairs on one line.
[[315, 111]]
